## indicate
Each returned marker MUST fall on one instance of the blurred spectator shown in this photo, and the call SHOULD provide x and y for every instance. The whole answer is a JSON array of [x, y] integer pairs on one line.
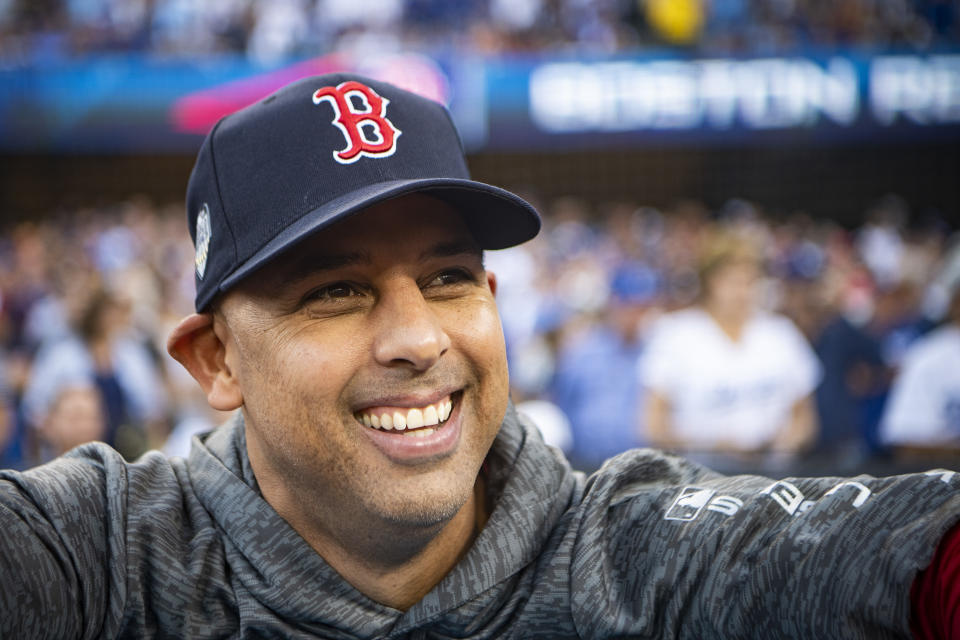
[[923, 413], [677, 22], [724, 376], [597, 381], [10, 441], [897, 320], [272, 30], [853, 367], [86, 299], [880, 241], [101, 353], [550, 421], [279, 29], [522, 305], [76, 416]]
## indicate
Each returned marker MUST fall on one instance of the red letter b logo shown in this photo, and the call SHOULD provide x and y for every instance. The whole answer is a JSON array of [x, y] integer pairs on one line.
[[368, 132]]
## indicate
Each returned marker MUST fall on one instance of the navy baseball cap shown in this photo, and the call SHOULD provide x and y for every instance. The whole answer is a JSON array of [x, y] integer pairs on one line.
[[319, 150]]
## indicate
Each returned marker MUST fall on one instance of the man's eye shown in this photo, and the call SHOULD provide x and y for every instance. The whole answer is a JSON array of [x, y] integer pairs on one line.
[[451, 276], [334, 291]]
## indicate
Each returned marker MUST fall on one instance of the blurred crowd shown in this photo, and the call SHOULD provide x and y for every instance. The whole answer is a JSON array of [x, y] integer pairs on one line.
[[86, 300], [273, 30], [732, 334]]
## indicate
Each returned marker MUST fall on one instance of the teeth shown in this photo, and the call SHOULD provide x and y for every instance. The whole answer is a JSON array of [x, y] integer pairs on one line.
[[417, 420], [414, 419]]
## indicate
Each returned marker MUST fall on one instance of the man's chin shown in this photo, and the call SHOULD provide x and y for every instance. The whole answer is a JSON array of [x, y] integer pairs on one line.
[[425, 513]]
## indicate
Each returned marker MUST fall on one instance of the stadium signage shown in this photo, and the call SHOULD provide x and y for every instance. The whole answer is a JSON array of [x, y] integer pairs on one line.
[[507, 103], [922, 91], [758, 94]]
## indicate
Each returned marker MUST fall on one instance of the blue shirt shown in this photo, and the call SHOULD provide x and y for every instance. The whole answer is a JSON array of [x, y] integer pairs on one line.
[[597, 386]]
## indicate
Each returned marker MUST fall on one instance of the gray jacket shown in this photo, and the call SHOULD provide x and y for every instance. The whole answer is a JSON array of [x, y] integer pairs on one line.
[[651, 546]]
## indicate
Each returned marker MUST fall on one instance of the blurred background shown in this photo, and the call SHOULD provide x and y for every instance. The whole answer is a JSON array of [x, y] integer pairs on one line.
[[750, 249]]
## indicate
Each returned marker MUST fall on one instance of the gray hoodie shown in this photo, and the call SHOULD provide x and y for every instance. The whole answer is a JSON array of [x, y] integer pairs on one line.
[[651, 546]]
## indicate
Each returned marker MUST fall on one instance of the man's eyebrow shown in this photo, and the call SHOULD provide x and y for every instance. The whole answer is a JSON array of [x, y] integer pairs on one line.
[[452, 248], [320, 262]]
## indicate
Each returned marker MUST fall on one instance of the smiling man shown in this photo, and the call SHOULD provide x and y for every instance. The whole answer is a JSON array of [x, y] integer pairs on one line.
[[373, 380], [376, 482]]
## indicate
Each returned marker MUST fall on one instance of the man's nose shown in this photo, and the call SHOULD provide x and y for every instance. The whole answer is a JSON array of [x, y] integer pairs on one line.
[[409, 333]]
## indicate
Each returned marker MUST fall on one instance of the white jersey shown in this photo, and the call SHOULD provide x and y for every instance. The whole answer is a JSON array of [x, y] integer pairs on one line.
[[924, 405], [726, 391]]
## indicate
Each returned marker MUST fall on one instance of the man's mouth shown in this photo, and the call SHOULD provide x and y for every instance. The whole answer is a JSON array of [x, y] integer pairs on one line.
[[415, 421]]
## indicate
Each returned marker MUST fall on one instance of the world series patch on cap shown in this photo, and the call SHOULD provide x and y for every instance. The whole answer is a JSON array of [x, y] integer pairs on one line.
[[319, 150]]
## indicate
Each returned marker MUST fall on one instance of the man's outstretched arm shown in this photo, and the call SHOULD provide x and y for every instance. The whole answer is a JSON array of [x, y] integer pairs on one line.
[[53, 551]]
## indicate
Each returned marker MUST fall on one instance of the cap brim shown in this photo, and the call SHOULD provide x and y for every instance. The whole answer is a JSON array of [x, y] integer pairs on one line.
[[497, 218]]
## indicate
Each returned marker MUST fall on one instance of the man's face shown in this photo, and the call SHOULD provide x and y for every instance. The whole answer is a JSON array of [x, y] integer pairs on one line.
[[386, 318]]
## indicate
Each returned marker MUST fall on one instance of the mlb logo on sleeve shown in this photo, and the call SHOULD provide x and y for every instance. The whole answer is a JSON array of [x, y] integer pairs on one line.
[[689, 504]]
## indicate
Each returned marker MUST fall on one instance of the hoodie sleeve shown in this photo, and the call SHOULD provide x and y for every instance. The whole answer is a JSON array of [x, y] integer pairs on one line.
[[668, 549], [60, 546]]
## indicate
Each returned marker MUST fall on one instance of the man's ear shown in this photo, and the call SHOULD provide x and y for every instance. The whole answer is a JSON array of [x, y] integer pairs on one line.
[[195, 345], [492, 282]]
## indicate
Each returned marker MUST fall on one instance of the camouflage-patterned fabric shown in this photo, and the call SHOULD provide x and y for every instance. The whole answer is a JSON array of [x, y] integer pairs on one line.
[[651, 546]]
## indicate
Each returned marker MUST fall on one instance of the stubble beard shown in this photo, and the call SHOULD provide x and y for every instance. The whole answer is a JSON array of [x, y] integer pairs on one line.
[[342, 493], [364, 496]]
